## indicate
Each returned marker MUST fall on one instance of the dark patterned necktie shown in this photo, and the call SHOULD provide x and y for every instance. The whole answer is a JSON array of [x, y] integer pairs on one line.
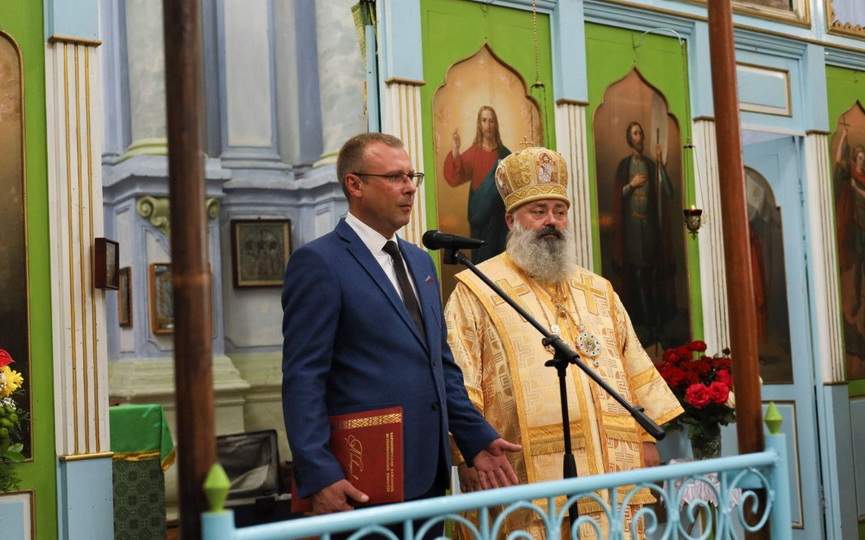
[[405, 286]]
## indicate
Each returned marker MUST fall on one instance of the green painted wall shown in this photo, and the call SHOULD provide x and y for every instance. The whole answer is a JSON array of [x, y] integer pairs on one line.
[[23, 21], [844, 87], [611, 54]]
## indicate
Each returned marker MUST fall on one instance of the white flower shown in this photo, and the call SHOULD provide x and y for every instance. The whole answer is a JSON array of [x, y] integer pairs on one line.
[[8, 401]]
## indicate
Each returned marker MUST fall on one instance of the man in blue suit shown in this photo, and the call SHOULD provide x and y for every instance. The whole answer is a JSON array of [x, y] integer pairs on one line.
[[363, 330]]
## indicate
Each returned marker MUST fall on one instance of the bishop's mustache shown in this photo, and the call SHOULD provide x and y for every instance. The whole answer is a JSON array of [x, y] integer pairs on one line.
[[550, 230]]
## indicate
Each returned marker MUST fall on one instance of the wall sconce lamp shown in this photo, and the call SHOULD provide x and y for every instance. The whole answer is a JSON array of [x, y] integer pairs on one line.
[[693, 219]]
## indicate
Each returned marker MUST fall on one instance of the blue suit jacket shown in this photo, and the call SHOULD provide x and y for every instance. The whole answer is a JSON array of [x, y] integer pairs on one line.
[[350, 345]]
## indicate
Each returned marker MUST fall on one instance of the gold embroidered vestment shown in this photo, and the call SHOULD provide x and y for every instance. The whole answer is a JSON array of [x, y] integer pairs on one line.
[[502, 359]]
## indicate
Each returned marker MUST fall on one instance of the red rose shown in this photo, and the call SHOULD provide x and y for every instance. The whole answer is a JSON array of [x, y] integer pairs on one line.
[[697, 395], [671, 356], [673, 375], [5, 359], [691, 377], [701, 368], [718, 392], [684, 353], [721, 362], [697, 345], [723, 376]]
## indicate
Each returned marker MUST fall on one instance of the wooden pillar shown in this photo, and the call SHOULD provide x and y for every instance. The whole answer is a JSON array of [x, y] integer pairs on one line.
[[731, 174], [191, 280]]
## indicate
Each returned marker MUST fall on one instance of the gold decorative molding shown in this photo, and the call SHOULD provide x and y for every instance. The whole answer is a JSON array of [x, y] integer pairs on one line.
[[578, 103], [401, 80], [74, 40], [85, 457], [835, 26]]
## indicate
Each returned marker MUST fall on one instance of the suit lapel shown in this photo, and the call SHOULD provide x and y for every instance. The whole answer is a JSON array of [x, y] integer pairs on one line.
[[365, 259]]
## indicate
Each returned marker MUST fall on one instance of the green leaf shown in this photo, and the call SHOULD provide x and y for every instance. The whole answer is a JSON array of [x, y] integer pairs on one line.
[[17, 457]]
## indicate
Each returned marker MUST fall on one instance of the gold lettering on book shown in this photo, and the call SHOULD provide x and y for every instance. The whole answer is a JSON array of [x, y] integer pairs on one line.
[[389, 472], [355, 455]]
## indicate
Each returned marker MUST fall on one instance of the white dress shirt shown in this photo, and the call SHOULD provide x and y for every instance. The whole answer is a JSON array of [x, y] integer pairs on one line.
[[375, 241]]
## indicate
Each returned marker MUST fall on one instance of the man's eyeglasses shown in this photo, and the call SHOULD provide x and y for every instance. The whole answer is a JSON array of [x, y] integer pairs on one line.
[[398, 178]]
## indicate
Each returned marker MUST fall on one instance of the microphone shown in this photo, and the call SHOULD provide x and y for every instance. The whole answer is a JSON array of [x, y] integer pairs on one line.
[[438, 240]]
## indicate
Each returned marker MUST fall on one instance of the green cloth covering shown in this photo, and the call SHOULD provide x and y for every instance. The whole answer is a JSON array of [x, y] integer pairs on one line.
[[139, 501], [140, 432], [143, 450]]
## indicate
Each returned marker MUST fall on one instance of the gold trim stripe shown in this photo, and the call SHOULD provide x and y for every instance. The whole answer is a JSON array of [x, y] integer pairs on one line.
[[576, 102], [85, 457], [643, 378], [69, 40], [70, 246], [82, 248], [136, 456], [476, 396], [92, 291], [354, 423], [628, 435], [401, 80]]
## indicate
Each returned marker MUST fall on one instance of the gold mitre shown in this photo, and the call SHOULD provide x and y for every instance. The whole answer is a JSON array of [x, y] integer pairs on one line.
[[530, 175]]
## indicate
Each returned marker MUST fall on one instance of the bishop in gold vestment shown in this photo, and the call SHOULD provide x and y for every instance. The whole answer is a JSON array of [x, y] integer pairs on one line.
[[502, 356]]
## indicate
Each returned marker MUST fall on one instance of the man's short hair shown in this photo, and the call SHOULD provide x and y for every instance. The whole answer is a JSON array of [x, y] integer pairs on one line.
[[350, 158]]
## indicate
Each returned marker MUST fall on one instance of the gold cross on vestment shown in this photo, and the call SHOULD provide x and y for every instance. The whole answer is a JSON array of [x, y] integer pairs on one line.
[[513, 292], [526, 142], [591, 293]]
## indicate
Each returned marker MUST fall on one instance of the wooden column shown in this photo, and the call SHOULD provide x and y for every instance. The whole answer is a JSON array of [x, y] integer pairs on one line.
[[740, 289], [191, 280]]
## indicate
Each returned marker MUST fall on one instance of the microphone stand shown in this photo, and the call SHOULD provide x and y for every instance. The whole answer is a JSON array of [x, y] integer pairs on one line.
[[562, 356]]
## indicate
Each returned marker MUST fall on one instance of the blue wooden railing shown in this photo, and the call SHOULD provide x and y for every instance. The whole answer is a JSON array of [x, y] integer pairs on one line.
[[734, 481]]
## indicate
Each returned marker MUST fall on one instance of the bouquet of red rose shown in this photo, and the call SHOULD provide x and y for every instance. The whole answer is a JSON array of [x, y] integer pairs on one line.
[[704, 387]]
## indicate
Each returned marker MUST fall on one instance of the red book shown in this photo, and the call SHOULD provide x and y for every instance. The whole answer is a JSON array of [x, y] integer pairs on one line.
[[368, 446]]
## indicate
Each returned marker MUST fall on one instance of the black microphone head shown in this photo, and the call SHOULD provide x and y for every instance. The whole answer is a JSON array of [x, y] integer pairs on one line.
[[429, 239], [438, 240]]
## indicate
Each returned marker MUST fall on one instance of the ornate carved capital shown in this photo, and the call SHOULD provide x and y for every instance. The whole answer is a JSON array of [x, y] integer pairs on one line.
[[158, 210]]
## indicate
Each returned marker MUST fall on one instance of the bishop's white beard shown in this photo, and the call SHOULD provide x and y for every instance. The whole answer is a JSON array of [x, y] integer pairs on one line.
[[548, 260]]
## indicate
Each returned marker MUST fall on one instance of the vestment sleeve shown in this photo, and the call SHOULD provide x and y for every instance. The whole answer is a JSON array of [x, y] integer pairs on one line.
[[650, 389], [461, 314]]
